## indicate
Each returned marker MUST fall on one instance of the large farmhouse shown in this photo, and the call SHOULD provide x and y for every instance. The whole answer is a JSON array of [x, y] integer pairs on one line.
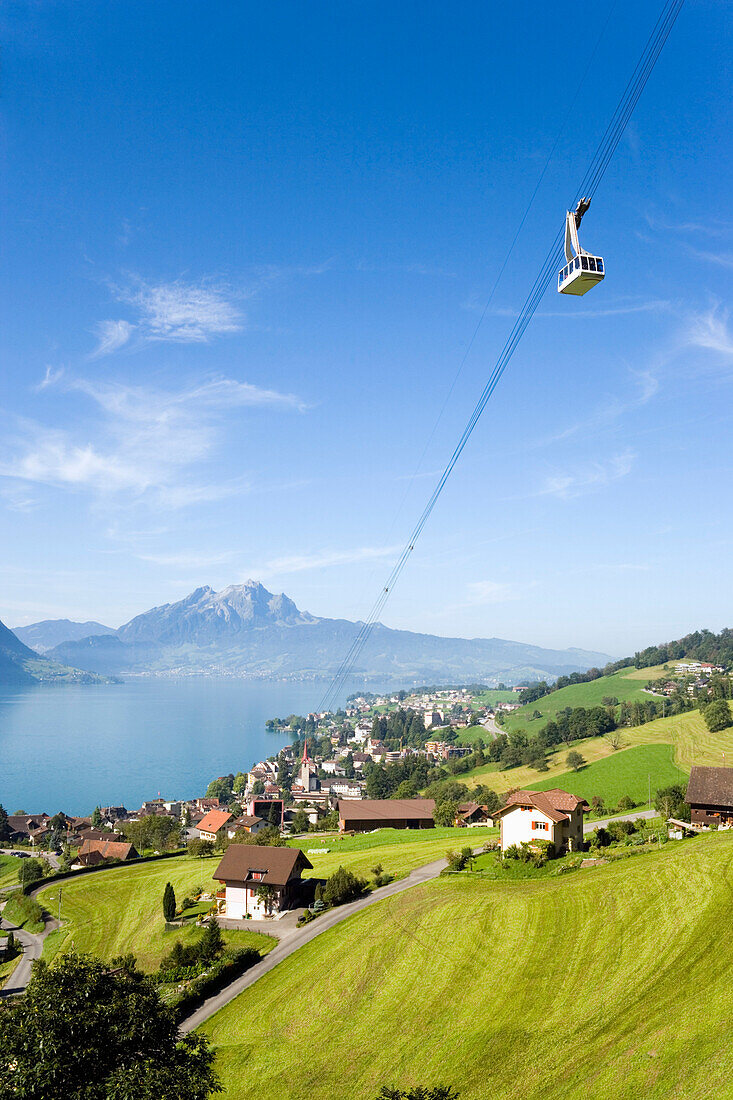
[[386, 813], [259, 881], [710, 796], [532, 816]]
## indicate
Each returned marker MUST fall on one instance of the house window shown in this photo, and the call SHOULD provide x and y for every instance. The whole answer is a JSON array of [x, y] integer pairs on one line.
[[258, 875], [539, 825]]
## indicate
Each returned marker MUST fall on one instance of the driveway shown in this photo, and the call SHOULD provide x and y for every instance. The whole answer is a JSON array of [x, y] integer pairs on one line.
[[299, 937]]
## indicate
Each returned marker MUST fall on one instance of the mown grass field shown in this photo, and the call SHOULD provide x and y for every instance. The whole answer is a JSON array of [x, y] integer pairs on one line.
[[8, 870], [119, 910], [687, 734], [398, 850], [626, 686], [608, 982], [624, 773]]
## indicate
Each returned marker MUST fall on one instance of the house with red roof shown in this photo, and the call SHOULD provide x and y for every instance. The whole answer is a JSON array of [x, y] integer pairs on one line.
[[532, 816]]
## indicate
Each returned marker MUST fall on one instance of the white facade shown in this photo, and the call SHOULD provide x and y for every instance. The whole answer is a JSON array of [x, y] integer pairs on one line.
[[242, 902], [528, 825]]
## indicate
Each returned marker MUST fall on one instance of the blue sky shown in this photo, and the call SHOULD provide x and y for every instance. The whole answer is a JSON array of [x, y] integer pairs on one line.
[[244, 249]]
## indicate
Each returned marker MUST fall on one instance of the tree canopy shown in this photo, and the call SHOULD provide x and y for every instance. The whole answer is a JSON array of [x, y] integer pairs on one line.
[[85, 1032]]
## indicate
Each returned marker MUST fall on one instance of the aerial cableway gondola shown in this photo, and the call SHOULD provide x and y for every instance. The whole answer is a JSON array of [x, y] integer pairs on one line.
[[582, 271]]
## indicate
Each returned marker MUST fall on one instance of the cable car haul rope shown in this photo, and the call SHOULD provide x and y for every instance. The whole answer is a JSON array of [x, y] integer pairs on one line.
[[583, 276]]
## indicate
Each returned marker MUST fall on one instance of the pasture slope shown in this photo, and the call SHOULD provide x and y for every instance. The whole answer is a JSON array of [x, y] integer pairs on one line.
[[607, 982], [627, 685], [687, 734], [120, 910]]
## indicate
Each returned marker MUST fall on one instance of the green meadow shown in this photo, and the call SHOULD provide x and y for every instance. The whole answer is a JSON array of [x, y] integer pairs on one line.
[[120, 910], [626, 686], [606, 982], [633, 773], [399, 851]]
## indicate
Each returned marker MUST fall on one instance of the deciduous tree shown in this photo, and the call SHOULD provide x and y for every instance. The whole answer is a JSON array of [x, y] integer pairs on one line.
[[82, 1032]]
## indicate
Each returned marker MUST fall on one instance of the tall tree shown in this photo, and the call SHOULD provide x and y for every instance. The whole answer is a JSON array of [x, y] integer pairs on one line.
[[4, 827], [82, 1032], [212, 941], [169, 903]]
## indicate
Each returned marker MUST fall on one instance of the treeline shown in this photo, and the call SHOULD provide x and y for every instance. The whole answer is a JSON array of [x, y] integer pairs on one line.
[[702, 645], [577, 724]]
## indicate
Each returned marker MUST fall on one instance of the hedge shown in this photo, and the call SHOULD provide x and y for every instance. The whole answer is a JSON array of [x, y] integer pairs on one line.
[[223, 972]]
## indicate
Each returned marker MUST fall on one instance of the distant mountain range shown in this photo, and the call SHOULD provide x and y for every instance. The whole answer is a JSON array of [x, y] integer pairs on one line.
[[52, 632], [20, 666], [244, 630]]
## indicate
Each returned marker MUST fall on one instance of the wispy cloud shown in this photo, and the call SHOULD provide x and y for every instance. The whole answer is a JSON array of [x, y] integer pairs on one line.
[[49, 379], [183, 312], [111, 336], [325, 559], [481, 592], [588, 478], [144, 442], [710, 330], [722, 259]]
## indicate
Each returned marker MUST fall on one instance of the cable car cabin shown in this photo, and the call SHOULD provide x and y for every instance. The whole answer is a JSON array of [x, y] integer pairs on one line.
[[580, 274], [582, 271]]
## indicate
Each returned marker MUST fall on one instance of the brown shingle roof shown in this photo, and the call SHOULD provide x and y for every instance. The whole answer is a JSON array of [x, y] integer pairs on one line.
[[240, 861], [386, 809], [214, 820], [553, 803], [710, 787]]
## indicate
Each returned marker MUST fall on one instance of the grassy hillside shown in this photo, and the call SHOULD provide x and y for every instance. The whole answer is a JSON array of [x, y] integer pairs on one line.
[[609, 982], [8, 870], [626, 686], [398, 850], [112, 912], [687, 734], [626, 773]]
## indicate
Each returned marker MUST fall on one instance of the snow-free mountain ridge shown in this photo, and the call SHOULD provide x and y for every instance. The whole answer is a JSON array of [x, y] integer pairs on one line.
[[245, 630]]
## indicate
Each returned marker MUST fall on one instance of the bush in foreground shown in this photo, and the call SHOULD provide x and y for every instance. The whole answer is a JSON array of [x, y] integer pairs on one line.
[[343, 886], [83, 1032]]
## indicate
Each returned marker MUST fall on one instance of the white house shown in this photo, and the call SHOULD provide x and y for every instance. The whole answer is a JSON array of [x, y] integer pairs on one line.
[[259, 881], [531, 816]]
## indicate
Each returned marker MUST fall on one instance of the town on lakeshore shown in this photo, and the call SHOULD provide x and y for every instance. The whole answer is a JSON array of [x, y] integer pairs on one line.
[[366, 693]]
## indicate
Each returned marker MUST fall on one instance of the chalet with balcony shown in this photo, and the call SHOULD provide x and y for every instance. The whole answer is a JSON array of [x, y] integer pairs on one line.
[[258, 881]]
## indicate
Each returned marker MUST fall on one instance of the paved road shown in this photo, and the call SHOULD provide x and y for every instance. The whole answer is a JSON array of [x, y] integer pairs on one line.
[[491, 727], [38, 854], [591, 825], [296, 939], [32, 947]]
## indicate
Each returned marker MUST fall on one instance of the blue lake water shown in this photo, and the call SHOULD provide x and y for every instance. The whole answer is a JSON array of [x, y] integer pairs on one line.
[[74, 747]]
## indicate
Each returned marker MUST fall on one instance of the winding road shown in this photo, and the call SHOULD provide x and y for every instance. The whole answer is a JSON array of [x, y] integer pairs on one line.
[[290, 938], [295, 938]]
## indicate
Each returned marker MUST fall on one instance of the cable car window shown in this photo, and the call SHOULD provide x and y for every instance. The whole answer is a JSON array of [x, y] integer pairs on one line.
[[599, 264], [576, 265], [592, 263], [584, 263]]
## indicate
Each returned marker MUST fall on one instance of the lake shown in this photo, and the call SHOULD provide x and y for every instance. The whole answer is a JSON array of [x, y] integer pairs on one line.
[[69, 747]]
